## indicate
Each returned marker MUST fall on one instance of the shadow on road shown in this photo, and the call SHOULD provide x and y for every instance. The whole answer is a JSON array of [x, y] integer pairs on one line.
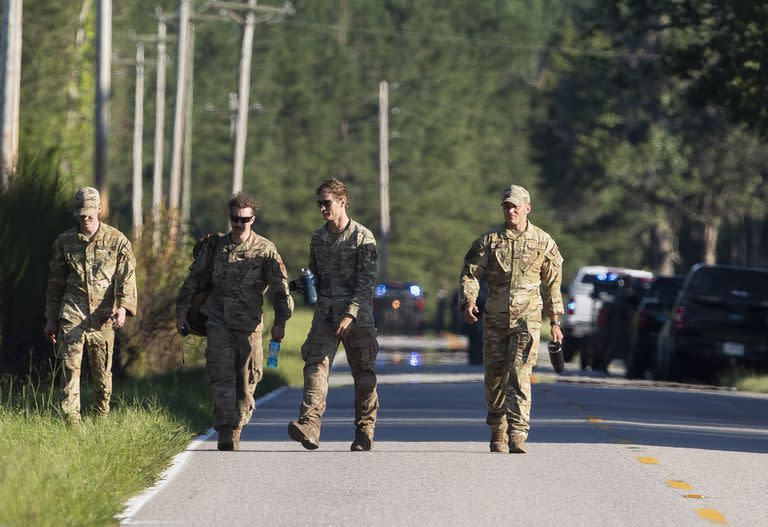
[[562, 413]]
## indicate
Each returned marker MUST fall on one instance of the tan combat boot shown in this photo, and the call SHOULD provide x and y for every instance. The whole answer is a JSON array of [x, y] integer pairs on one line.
[[301, 433], [236, 437], [516, 444], [226, 439], [498, 440], [362, 443]]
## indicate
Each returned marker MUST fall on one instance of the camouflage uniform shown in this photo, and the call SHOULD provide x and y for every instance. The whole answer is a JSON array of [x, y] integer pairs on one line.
[[89, 279], [234, 354], [345, 268], [516, 265]]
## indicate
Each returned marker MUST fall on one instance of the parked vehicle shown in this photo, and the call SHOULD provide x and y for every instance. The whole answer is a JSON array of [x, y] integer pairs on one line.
[[647, 320], [579, 321], [620, 295], [398, 307], [720, 318]]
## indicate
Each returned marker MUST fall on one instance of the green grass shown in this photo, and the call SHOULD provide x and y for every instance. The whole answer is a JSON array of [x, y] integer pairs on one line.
[[745, 380], [52, 474], [290, 366]]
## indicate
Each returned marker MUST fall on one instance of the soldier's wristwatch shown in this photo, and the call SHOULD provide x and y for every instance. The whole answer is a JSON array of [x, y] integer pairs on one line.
[[554, 322]]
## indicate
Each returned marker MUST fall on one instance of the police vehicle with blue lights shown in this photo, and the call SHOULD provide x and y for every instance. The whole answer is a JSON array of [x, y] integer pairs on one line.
[[580, 320], [398, 307]]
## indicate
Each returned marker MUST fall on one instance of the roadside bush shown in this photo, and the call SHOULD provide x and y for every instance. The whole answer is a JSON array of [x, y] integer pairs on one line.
[[34, 210], [149, 343]]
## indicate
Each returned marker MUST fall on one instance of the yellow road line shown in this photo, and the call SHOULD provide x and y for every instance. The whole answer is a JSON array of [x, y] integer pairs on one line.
[[648, 460], [712, 515], [694, 496], [677, 484], [594, 420]]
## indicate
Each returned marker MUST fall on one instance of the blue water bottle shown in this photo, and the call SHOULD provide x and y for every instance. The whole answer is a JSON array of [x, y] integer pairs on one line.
[[308, 287], [274, 352]]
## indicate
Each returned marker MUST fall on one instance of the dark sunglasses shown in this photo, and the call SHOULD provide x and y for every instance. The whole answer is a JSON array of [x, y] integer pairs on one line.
[[324, 203], [240, 219]]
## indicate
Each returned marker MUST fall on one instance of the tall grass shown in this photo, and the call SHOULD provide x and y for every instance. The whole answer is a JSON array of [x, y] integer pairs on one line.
[[35, 209], [53, 474]]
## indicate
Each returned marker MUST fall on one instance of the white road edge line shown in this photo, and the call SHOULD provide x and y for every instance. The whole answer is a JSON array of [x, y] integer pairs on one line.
[[134, 505]]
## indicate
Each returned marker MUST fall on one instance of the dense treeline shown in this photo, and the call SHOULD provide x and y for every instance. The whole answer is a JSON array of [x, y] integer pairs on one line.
[[591, 104]]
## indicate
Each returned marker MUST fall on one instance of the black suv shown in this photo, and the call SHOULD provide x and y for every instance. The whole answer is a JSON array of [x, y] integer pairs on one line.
[[647, 322], [398, 307], [720, 318]]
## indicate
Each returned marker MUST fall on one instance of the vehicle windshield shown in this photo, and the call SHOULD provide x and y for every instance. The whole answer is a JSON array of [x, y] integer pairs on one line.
[[744, 284], [665, 290]]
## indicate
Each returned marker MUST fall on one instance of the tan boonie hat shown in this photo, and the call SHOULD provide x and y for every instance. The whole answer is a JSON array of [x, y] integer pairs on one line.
[[516, 195], [87, 201]]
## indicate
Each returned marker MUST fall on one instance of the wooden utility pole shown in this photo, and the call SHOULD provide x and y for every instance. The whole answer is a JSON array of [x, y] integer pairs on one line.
[[138, 134], [232, 121], [103, 92], [11, 86], [243, 95], [157, 173], [384, 174], [178, 118], [186, 186]]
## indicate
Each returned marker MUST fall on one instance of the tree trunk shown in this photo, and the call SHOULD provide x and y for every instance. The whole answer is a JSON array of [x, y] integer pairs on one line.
[[711, 233], [664, 239], [756, 228]]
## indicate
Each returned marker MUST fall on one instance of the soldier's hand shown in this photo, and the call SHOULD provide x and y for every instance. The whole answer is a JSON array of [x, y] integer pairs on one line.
[[470, 313], [118, 318], [50, 331], [557, 333], [343, 327], [278, 333]]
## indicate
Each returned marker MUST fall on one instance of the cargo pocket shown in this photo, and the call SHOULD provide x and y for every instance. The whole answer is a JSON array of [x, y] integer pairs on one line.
[[523, 349], [316, 348], [362, 347]]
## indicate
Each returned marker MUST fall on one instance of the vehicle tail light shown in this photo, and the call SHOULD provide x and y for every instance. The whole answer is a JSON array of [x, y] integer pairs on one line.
[[420, 304], [679, 318], [643, 320], [602, 318], [571, 306]]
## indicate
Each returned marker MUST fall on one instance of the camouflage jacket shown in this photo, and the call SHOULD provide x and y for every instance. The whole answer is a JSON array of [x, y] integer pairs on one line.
[[241, 275], [345, 268], [89, 279], [518, 268]]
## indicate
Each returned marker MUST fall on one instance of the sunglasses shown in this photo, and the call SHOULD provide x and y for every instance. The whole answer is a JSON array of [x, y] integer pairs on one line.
[[240, 219], [324, 203]]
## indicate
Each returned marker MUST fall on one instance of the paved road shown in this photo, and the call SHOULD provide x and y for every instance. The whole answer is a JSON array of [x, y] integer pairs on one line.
[[602, 452]]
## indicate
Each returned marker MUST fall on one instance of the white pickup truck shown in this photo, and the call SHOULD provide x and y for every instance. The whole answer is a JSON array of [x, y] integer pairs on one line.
[[579, 321]]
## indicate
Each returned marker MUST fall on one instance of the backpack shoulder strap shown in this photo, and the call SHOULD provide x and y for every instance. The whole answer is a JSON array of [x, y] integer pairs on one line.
[[209, 242]]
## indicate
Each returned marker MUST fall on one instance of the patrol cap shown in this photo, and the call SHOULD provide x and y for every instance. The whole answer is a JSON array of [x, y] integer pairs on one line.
[[516, 195], [87, 201]]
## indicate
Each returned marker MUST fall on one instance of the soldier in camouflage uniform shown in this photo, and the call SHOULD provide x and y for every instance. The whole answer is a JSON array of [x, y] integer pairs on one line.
[[91, 290], [244, 266], [342, 256], [519, 262]]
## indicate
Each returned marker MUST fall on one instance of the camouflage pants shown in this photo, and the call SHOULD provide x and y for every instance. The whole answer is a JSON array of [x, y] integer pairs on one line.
[[318, 353], [73, 342], [233, 360], [509, 355]]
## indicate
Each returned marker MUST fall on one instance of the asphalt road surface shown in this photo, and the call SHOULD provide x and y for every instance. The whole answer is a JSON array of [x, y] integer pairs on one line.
[[602, 451]]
